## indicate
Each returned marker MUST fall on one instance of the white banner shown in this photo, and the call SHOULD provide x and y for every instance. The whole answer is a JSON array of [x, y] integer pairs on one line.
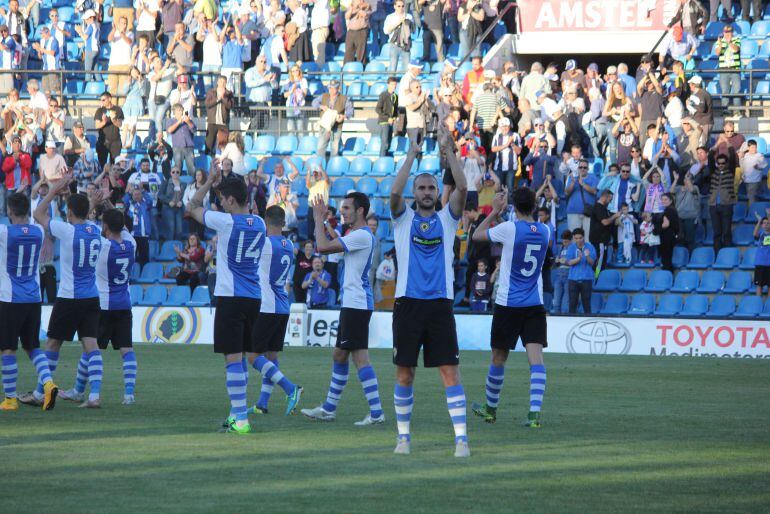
[[665, 337]]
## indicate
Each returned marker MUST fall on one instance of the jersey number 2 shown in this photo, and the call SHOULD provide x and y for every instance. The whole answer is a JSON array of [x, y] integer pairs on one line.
[[286, 263], [530, 259]]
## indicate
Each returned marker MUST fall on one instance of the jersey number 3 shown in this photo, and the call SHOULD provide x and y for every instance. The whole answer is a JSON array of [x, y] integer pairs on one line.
[[528, 271]]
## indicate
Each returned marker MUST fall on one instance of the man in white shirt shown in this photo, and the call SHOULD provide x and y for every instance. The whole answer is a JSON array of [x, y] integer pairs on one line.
[[59, 32], [146, 12], [752, 164], [412, 73], [121, 40], [320, 19]]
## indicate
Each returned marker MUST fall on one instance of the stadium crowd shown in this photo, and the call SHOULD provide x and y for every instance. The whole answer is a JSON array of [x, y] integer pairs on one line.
[[628, 153]]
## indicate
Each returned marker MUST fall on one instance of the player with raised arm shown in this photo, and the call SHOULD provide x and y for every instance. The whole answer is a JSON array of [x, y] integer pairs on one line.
[[357, 307], [116, 259], [422, 314], [241, 238], [20, 244], [519, 310], [76, 309], [270, 328]]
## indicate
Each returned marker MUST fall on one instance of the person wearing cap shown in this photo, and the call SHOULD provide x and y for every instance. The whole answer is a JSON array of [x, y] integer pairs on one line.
[[399, 27], [510, 78], [572, 75], [535, 81], [75, 144], [473, 79], [341, 104], [592, 78], [680, 46], [728, 48], [286, 200], [48, 52], [51, 165], [412, 73], [89, 31], [699, 107], [505, 149], [86, 170], [387, 113], [17, 167], [184, 94], [489, 79], [272, 181], [433, 28]]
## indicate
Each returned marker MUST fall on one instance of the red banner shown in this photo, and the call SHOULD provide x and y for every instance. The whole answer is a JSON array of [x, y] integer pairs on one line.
[[592, 15]]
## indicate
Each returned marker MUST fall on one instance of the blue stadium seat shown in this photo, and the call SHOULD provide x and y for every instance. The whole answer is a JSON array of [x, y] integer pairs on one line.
[[617, 303], [382, 167], [137, 293], [728, 258], [701, 258], [695, 305], [642, 304], [711, 282], [94, 89], [633, 281], [685, 282], [747, 262], [376, 67], [383, 231], [151, 273], [167, 275], [722, 307], [353, 146], [373, 146], [167, 252], [660, 281], [178, 296], [202, 162], [136, 271], [738, 282], [250, 162], [713, 30], [367, 186], [762, 87], [681, 257], [409, 188], [264, 145], [154, 249], [766, 309], [299, 187], [341, 186], [286, 145], [760, 29], [743, 235], [608, 281], [400, 163], [377, 88], [357, 89], [337, 166], [597, 302], [714, 88], [739, 210], [303, 208], [154, 295], [360, 167], [354, 68], [200, 297], [764, 50], [749, 306], [307, 145], [749, 48], [756, 208], [429, 165], [73, 87], [430, 147], [399, 145], [376, 206], [314, 161], [384, 189]]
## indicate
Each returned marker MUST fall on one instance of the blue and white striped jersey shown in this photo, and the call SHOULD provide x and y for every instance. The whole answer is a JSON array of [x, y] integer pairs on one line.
[[113, 270], [241, 240], [19, 263], [79, 251], [274, 266], [356, 289]]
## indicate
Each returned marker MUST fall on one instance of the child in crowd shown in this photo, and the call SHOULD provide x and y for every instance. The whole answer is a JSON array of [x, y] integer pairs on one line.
[[762, 260], [561, 272], [481, 287], [626, 233], [648, 240]]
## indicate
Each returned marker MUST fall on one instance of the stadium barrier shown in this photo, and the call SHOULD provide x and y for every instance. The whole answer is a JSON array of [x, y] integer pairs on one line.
[[664, 337]]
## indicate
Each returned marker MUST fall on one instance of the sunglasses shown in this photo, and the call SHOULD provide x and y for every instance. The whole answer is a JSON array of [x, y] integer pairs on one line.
[[582, 167], [625, 171], [174, 172], [634, 151], [721, 164]]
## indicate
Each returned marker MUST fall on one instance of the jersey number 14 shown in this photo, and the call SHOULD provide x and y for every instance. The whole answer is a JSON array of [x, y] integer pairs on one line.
[[252, 252]]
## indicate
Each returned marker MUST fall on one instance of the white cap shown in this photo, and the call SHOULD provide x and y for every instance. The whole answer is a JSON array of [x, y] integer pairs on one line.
[[489, 74], [695, 79], [89, 14], [505, 122], [50, 144]]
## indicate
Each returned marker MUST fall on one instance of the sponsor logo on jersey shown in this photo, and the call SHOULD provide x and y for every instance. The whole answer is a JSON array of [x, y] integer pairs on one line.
[[533, 228]]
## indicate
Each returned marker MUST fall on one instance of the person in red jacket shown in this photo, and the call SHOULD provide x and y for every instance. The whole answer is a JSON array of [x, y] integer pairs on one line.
[[17, 167], [473, 79]]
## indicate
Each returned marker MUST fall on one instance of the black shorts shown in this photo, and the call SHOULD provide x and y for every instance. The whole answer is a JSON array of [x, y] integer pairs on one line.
[[762, 276], [353, 329], [234, 322], [429, 324], [511, 323], [115, 327], [19, 321], [269, 331], [70, 316]]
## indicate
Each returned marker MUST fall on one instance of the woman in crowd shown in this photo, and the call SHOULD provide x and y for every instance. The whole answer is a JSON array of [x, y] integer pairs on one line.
[[170, 196], [133, 107], [192, 260], [189, 192], [234, 150], [295, 91]]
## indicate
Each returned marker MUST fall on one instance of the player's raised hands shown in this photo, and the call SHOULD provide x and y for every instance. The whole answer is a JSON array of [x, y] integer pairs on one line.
[[500, 201], [58, 186]]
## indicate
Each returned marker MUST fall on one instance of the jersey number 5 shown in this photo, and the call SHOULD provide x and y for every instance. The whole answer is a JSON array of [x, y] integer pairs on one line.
[[530, 259]]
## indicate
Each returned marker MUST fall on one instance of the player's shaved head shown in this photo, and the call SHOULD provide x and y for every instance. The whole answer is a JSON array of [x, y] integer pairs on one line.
[[77, 206], [18, 205], [113, 220], [275, 216]]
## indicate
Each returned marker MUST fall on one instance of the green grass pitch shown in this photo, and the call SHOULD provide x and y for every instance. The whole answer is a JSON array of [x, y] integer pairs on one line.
[[620, 434]]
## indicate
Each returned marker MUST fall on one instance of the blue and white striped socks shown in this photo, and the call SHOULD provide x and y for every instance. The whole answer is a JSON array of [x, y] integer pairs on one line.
[[270, 371], [10, 374], [536, 387], [53, 362], [236, 389], [455, 401], [95, 372], [265, 391], [40, 362], [336, 386], [129, 373], [403, 399], [494, 384], [371, 390], [81, 379]]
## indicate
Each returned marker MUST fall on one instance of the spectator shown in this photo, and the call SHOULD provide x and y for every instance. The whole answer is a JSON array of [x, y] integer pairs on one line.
[[320, 19], [560, 278], [699, 106], [554, 118], [276, 51], [580, 191], [51, 165], [487, 185], [540, 164], [729, 138], [622, 185], [193, 262], [113, 183], [86, 169], [473, 168], [234, 151], [259, 82], [648, 239], [59, 32], [211, 43], [653, 191], [218, 102], [189, 192], [762, 259], [534, 83], [161, 79], [487, 109], [140, 56], [288, 201], [53, 122], [412, 73], [581, 257], [387, 112], [170, 196], [302, 267], [108, 119], [506, 150], [651, 101], [666, 160], [399, 26], [48, 51], [171, 13], [7, 63], [151, 183], [752, 165], [139, 210], [357, 20], [180, 46], [133, 107], [295, 92], [547, 198], [184, 94], [481, 288], [679, 45], [272, 182], [339, 109], [233, 46], [688, 143], [629, 82], [602, 222], [674, 110], [728, 48], [146, 17], [121, 40], [75, 144], [669, 232], [160, 155], [89, 31], [416, 103], [433, 28], [687, 203], [470, 15], [625, 134], [691, 15], [722, 197], [626, 233], [17, 167], [317, 284]]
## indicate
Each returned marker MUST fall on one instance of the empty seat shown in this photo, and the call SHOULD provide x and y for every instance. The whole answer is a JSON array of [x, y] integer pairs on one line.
[[385, 185], [701, 258], [669, 305], [136, 272], [337, 166], [633, 281], [642, 304], [728, 258], [353, 146], [286, 145], [200, 297], [429, 165], [315, 161], [357, 89], [660, 281], [382, 167], [367, 186], [167, 252], [685, 282], [178, 296], [137, 293], [681, 257], [597, 302], [264, 145], [757, 208], [743, 235], [722, 307], [747, 262], [608, 281], [738, 282], [399, 145], [373, 146], [711, 282], [695, 305], [749, 306], [359, 167], [151, 273], [617, 303], [154, 295], [307, 145]]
